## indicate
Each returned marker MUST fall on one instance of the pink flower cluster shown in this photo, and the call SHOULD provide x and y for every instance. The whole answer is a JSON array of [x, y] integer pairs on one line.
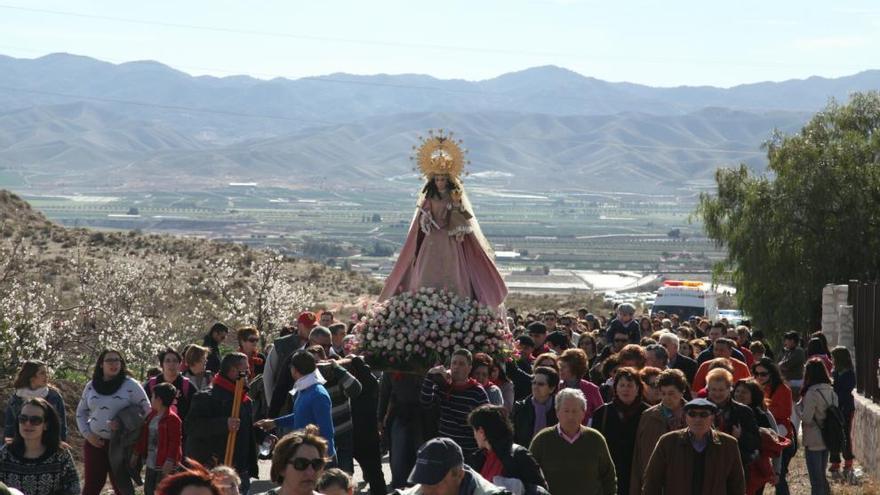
[[413, 331]]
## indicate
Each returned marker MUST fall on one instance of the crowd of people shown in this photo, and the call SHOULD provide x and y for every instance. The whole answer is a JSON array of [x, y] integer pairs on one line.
[[585, 405]]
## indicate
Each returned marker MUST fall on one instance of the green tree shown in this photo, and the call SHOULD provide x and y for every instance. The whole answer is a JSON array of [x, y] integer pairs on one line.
[[813, 219]]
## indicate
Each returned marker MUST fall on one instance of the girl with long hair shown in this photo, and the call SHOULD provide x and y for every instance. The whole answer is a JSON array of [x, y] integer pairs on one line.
[[32, 382]]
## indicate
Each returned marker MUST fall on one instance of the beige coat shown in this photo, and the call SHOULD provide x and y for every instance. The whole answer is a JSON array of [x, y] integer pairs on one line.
[[813, 409]]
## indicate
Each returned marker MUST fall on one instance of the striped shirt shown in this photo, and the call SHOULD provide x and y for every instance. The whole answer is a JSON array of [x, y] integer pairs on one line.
[[455, 406]]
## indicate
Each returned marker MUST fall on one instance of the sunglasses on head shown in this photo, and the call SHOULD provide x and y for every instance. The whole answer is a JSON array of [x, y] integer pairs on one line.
[[34, 420], [699, 414], [301, 463]]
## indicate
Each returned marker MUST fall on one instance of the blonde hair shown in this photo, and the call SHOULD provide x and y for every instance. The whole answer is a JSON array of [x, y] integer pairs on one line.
[[719, 375]]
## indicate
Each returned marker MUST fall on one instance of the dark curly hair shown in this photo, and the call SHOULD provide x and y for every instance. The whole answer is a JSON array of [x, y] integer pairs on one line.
[[430, 189]]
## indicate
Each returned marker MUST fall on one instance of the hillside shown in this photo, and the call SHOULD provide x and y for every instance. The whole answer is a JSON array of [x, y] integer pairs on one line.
[[73, 289]]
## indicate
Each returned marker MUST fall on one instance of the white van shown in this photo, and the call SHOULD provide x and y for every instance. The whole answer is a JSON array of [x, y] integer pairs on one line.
[[686, 298]]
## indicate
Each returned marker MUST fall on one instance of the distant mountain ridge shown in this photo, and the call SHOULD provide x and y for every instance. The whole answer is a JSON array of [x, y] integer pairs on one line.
[[65, 117]]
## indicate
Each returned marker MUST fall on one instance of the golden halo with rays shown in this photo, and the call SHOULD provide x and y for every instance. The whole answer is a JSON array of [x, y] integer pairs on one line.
[[439, 154]]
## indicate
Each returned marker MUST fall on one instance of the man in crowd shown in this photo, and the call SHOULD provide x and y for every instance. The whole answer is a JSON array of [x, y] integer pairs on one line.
[[723, 348], [716, 331], [457, 395], [210, 419], [537, 411], [326, 319], [625, 322], [688, 366], [440, 470], [337, 335], [538, 332], [342, 387], [733, 418], [276, 366], [656, 356], [792, 360], [696, 460], [557, 342]]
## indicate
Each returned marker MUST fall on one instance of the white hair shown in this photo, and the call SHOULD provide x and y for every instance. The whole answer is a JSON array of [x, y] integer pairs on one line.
[[570, 393], [669, 337]]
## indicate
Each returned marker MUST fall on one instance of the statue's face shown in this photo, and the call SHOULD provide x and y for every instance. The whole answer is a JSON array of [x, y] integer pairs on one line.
[[441, 181]]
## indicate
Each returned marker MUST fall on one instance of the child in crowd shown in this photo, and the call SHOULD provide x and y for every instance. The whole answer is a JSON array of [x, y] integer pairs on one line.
[[159, 445]]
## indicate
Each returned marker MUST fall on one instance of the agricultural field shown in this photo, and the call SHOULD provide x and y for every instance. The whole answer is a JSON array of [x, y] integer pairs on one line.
[[360, 229]]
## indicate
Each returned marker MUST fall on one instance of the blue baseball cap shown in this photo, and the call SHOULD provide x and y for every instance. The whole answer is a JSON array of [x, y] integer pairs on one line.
[[701, 404], [434, 459]]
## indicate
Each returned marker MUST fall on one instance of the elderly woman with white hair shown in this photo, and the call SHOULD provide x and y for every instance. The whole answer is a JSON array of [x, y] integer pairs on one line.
[[574, 458]]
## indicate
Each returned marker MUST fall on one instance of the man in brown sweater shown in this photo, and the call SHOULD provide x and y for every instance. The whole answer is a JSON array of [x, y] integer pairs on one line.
[[695, 460]]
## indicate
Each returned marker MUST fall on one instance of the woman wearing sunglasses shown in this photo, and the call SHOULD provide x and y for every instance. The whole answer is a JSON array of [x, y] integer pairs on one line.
[[33, 381], [34, 462], [298, 461], [779, 398]]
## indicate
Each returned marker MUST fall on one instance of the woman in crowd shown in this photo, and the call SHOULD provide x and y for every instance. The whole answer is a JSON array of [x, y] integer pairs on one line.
[[650, 376], [197, 372], [572, 368], [733, 418], [698, 346], [212, 340], [499, 378], [110, 391], [480, 372], [587, 343], [779, 402], [169, 361], [618, 421], [760, 472], [844, 376], [645, 327], [195, 480], [818, 395], [537, 411], [298, 461], [817, 348], [32, 382], [574, 459], [685, 348], [35, 462], [248, 341], [656, 421], [499, 456], [549, 359]]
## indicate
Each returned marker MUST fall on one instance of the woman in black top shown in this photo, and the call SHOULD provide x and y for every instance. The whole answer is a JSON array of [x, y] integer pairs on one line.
[[618, 421], [498, 455]]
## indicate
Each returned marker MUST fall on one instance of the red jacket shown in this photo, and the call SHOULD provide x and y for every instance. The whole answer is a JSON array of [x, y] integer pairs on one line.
[[169, 438], [780, 406]]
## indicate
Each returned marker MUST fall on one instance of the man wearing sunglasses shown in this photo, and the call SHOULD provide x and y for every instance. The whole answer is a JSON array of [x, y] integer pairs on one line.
[[695, 460]]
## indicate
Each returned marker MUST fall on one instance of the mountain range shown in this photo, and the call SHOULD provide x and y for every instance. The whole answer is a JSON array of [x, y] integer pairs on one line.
[[73, 121]]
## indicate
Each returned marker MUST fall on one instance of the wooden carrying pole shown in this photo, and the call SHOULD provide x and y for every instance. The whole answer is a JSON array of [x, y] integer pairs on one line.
[[236, 410]]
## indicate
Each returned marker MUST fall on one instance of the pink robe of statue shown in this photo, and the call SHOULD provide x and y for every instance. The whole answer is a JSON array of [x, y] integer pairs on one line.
[[438, 260]]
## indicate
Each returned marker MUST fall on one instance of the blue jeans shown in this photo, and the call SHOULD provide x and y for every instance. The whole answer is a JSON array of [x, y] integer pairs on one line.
[[787, 455], [817, 463]]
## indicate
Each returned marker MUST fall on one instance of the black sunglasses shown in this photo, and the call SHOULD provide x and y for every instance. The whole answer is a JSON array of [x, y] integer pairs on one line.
[[253, 339], [34, 420], [301, 463]]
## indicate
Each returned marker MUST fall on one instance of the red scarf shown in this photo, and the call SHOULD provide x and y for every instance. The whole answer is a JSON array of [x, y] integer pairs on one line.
[[492, 467], [224, 383], [254, 360]]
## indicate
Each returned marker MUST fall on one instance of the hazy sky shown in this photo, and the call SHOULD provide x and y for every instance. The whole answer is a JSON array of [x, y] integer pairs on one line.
[[660, 43]]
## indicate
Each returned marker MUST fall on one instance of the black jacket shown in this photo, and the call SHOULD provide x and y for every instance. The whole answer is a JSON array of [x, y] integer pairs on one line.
[[687, 366], [741, 415], [620, 435], [631, 329], [206, 430], [523, 417], [516, 463], [521, 379]]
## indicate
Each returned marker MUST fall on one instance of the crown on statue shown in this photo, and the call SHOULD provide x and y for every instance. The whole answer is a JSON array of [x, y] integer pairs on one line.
[[440, 154]]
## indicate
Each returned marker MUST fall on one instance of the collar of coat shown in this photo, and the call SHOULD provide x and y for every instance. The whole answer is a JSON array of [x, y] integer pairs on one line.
[[683, 436]]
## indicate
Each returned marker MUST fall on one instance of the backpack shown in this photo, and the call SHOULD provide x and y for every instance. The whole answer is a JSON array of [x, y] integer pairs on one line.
[[833, 432]]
